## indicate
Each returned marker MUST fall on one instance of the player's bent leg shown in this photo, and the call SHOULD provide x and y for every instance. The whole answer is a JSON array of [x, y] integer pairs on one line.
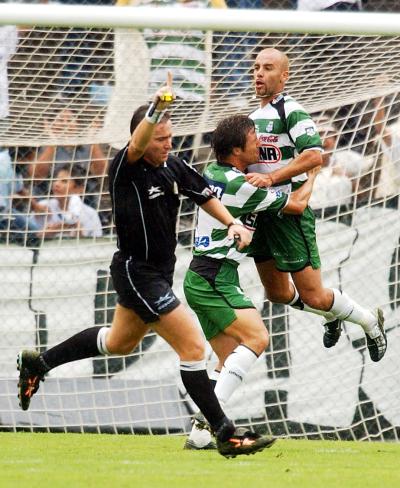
[[308, 282], [276, 283], [179, 330], [125, 333], [249, 331], [316, 299], [279, 289], [200, 436], [223, 345], [343, 308]]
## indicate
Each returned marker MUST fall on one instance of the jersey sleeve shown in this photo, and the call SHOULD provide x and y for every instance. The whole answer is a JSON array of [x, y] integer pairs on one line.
[[303, 130], [241, 198], [192, 184]]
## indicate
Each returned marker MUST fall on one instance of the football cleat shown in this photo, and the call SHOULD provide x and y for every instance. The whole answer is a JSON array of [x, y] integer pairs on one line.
[[243, 441], [191, 445], [200, 435], [377, 345], [333, 329], [31, 373]]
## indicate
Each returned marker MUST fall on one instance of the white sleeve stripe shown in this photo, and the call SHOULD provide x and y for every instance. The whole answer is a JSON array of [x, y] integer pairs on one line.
[[267, 201], [299, 129], [238, 200]]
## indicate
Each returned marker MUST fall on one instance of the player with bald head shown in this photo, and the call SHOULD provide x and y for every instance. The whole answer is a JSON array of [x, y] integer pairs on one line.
[[289, 147], [275, 76]]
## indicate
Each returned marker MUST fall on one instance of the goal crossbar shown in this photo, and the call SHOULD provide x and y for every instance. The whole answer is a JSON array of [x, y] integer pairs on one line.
[[236, 20]]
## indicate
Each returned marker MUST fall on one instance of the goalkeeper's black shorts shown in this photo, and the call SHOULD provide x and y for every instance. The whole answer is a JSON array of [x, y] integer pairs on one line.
[[144, 287]]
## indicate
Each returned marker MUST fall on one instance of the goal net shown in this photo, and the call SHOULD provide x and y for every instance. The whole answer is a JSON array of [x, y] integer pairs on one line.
[[66, 98]]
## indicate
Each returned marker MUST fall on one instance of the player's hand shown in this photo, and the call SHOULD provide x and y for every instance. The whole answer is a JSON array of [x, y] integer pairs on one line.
[[240, 234], [259, 180], [164, 96]]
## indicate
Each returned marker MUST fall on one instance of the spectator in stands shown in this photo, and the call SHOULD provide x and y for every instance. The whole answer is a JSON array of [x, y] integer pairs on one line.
[[89, 157], [15, 226], [65, 213]]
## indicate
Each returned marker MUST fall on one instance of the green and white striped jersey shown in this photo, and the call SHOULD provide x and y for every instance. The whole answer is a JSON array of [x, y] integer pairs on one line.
[[242, 200], [284, 130]]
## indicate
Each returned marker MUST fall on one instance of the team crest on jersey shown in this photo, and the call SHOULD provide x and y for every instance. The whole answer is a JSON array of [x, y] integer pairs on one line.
[[310, 131], [269, 153], [270, 126]]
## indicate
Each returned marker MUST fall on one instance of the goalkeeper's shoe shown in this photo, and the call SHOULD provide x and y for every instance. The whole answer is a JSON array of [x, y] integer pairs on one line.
[[333, 329], [200, 435], [377, 345], [243, 441], [31, 373]]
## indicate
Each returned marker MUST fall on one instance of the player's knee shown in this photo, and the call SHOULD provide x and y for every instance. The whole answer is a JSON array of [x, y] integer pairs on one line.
[[121, 348], [316, 300], [278, 296], [257, 340], [194, 352]]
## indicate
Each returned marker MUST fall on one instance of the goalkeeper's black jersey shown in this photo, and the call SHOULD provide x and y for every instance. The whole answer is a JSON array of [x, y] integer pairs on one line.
[[145, 202]]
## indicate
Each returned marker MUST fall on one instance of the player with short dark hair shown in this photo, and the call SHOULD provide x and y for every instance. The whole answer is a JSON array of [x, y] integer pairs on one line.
[[230, 322], [289, 147], [145, 183]]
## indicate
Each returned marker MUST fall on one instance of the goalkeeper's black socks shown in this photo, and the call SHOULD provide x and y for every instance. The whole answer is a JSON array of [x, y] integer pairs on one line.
[[199, 387], [80, 346]]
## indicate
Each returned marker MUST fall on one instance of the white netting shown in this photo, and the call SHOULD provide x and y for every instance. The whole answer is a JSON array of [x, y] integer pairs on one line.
[[71, 96]]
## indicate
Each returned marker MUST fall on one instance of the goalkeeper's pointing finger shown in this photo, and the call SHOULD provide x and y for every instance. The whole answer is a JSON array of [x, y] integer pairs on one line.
[[165, 95]]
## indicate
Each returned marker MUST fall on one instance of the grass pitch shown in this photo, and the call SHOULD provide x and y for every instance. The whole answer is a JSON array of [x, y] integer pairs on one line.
[[90, 460]]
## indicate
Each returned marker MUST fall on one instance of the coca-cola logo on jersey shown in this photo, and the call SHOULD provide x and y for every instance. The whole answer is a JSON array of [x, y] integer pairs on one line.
[[266, 138]]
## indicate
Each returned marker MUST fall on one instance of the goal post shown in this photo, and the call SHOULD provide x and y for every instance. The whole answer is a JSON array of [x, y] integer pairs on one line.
[[74, 76]]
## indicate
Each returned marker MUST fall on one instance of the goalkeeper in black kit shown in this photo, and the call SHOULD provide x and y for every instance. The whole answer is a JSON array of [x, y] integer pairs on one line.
[[145, 183]]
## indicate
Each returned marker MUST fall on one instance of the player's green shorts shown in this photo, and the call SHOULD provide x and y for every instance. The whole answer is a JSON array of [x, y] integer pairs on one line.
[[288, 239], [212, 290]]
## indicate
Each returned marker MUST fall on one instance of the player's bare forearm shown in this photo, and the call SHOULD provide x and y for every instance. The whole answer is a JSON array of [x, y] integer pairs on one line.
[[299, 199], [235, 231], [215, 208], [304, 162]]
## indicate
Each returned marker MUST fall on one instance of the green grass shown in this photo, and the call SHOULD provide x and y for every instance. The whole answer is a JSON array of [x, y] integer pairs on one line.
[[90, 460]]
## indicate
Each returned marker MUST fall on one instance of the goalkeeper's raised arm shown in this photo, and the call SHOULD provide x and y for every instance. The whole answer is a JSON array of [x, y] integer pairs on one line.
[[143, 128]]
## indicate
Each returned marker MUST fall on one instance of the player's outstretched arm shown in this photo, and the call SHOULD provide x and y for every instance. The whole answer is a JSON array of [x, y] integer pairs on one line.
[[298, 200], [141, 136], [304, 162], [236, 229]]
